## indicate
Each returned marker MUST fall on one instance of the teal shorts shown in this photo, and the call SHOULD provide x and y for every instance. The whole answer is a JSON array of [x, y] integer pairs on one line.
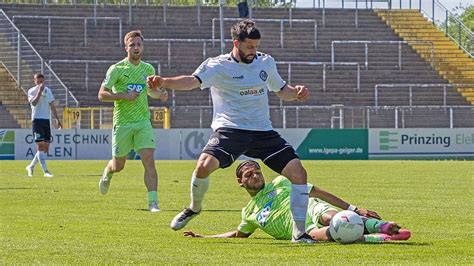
[[134, 136], [316, 209]]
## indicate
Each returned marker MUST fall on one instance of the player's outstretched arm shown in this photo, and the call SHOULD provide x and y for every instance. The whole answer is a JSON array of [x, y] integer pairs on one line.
[[183, 83], [340, 203], [230, 234], [157, 93], [296, 93]]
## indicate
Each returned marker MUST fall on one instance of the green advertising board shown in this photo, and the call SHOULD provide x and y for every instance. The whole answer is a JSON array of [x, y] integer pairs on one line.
[[7, 144], [335, 144]]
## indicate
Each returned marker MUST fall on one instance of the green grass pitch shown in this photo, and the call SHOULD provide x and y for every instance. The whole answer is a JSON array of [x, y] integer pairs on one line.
[[64, 220]]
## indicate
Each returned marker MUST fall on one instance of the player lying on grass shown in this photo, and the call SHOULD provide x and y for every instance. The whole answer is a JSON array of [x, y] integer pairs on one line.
[[269, 210]]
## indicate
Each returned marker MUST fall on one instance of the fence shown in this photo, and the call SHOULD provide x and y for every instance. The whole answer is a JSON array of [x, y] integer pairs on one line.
[[336, 116], [339, 116], [366, 49], [410, 88], [84, 19], [433, 10], [22, 61], [169, 41], [280, 21], [101, 117], [323, 64], [86, 66]]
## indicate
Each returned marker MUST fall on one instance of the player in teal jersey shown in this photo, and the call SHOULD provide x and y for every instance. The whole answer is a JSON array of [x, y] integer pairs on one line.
[[269, 210], [125, 85]]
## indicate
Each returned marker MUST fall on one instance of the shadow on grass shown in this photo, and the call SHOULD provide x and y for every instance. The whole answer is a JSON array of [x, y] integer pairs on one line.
[[14, 188], [178, 210], [289, 244]]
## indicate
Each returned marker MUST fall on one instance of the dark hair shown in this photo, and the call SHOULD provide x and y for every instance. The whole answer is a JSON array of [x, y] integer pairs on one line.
[[132, 34], [244, 163], [245, 29], [38, 76]]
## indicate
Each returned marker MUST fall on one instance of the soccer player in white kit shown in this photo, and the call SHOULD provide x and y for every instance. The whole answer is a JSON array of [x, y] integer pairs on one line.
[[239, 83], [41, 100]]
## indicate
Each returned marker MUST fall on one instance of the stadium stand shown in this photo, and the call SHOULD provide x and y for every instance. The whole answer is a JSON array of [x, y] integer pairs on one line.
[[450, 62], [389, 60]]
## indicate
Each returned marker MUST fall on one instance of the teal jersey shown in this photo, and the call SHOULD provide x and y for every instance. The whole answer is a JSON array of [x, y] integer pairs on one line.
[[124, 77], [270, 210]]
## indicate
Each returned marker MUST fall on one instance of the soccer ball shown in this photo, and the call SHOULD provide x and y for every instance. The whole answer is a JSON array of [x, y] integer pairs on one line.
[[346, 227]]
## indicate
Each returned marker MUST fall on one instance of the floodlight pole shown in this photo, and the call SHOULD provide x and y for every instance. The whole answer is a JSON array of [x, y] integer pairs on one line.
[[221, 22]]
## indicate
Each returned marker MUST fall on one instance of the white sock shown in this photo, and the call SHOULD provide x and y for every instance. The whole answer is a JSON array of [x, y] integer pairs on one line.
[[42, 160], [34, 161], [299, 207], [199, 188]]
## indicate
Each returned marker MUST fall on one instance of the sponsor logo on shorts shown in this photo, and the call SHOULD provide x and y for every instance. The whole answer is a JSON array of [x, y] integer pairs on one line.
[[213, 141], [263, 75]]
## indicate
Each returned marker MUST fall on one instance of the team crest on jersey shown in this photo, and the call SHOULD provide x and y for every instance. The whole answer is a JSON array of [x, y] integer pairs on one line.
[[271, 194], [214, 141], [263, 75], [202, 68], [144, 77]]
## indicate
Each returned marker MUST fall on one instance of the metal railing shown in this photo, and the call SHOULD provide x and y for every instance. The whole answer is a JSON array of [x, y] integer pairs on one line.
[[366, 49], [352, 116], [84, 19], [169, 41], [280, 21], [23, 61], [87, 62], [410, 88], [102, 117], [460, 34], [323, 64]]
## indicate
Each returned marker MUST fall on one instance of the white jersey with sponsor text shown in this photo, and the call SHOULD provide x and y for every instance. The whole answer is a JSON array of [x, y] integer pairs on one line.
[[41, 109], [239, 91]]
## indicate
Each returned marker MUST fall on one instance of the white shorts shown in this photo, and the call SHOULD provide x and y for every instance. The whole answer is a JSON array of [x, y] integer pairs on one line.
[[316, 209]]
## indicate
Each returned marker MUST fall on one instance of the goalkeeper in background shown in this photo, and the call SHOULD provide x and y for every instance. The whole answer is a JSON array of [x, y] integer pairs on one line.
[[125, 85], [269, 210]]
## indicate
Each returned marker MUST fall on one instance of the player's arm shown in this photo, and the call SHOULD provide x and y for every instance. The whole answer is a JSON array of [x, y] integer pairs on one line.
[[34, 101], [55, 114], [181, 83], [230, 234], [106, 95], [296, 93], [340, 203], [157, 93]]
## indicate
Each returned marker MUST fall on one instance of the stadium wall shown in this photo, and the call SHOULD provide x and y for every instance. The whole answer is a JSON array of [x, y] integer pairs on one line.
[[311, 144]]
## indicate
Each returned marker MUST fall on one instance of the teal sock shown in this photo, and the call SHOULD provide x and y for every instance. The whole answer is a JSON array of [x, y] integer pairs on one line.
[[373, 238], [152, 197], [373, 225]]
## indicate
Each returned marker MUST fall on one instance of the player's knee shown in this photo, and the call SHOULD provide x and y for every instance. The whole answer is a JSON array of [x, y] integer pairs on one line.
[[295, 171], [202, 170], [206, 165]]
